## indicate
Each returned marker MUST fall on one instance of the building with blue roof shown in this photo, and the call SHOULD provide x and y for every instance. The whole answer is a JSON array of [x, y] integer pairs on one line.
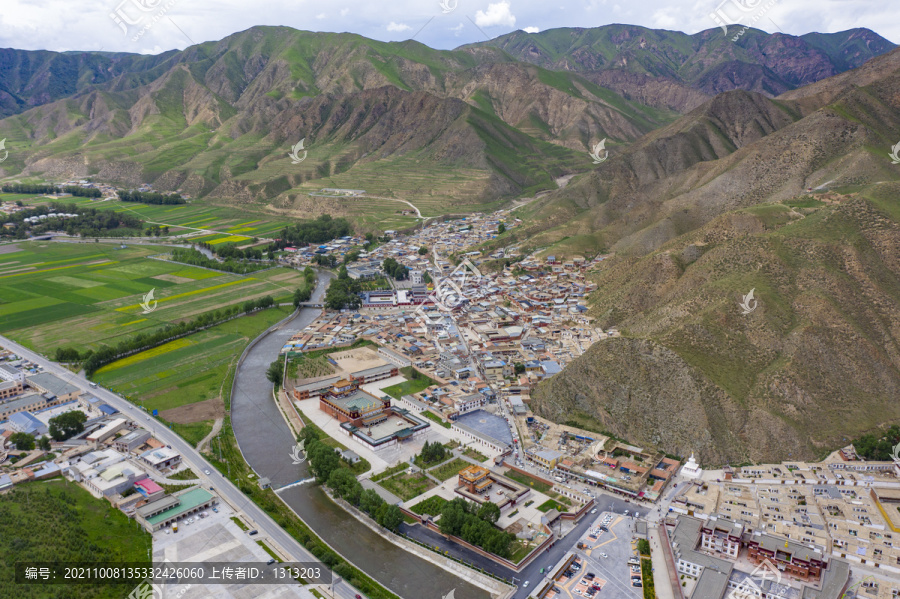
[[25, 422]]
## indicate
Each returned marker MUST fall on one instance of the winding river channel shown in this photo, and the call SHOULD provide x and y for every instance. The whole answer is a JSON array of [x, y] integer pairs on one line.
[[266, 442]]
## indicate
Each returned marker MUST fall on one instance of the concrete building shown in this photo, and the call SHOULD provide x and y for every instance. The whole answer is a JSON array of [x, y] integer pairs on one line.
[[110, 429], [9, 389], [170, 509], [131, 441], [25, 422], [31, 402], [162, 459], [114, 479], [48, 383]]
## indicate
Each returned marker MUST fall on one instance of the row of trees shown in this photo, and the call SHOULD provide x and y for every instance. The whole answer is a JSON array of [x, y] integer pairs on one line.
[[156, 230], [232, 251], [305, 290], [49, 188], [94, 360], [325, 228], [329, 469], [395, 269], [89, 222], [343, 292], [475, 524], [198, 258], [328, 261], [146, 197]]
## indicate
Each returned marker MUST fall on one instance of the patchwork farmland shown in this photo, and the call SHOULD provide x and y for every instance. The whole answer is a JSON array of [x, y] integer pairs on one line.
[[186, 379], [88, 294], [203, 222]]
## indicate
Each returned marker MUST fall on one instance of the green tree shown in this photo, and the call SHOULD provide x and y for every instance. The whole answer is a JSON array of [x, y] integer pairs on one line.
[[423, 250], [22, 441], [275, 372], [390, 517], [519, 367], [322, 461], [370, 501], [489, 512], [44, 443], [67, 425], [345, 485], [501, 229]]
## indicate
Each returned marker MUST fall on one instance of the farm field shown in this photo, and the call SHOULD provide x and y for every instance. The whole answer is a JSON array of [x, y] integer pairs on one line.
[[205, 222], [184, 378], [87, 294]]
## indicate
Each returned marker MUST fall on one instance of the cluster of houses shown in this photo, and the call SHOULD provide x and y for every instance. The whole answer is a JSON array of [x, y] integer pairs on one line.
[[113, 458]]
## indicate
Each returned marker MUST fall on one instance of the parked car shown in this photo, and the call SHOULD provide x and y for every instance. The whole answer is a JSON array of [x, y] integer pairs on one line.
[[594, 511], [525, 584], [253, 532]]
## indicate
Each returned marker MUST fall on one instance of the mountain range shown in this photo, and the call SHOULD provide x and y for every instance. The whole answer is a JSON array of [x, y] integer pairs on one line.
[[216, 120], [758, 164]]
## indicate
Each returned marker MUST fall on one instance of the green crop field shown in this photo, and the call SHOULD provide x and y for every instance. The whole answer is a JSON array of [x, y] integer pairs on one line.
[[88, 294], [187, 370], [209, 222]]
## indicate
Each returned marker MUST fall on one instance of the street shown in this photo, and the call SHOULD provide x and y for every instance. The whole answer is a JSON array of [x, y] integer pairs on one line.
[[214, 480]]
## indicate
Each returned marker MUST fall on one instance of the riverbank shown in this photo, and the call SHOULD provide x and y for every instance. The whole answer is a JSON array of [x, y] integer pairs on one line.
[[497, 589], [266, 441]]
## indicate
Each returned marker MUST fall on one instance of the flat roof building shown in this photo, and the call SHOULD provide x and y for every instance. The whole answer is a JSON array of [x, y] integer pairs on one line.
[[172, 508]]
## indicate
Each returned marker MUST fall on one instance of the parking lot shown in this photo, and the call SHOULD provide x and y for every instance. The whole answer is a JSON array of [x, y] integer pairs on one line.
[[601, 567], [216, 538]]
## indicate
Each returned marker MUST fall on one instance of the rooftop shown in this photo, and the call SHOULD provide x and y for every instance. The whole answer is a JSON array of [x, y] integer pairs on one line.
[[187, 501]]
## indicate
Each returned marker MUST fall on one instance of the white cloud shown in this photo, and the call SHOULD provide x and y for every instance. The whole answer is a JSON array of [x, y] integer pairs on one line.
[[397, 26], [320, 16], [61, 25], [497, 14], [532, 29], [458, 29]]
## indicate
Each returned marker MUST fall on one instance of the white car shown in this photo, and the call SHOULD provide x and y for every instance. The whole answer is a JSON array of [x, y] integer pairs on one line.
[[603, 554], [593, 511], [525, 585], [206, 472]]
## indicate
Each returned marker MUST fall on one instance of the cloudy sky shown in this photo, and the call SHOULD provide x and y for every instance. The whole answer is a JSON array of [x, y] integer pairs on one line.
[[152, 26]]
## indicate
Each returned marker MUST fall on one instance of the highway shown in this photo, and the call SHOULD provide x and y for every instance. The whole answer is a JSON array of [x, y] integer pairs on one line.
[[215, 480]]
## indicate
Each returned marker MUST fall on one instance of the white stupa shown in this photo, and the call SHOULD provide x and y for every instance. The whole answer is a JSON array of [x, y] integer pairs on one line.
[[691, 469]]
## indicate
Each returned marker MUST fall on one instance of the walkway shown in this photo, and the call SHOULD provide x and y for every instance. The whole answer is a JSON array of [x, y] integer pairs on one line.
[[662, 579], [217, 427]]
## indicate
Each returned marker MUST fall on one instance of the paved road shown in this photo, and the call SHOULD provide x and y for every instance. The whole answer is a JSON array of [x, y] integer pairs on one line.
[[222, 486], [266, 441]]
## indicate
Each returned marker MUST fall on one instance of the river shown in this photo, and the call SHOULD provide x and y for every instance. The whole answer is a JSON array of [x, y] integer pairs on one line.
[[266, 442]]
